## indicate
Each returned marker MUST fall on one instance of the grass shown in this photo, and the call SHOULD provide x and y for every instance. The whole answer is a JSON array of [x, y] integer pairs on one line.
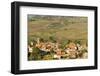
[[45, 28]]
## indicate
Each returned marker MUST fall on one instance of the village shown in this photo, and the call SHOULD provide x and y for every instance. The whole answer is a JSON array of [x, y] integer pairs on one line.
[[41, 50]]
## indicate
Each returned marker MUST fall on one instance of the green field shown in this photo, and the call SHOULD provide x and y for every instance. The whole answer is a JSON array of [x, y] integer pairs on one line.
[[59, 27]]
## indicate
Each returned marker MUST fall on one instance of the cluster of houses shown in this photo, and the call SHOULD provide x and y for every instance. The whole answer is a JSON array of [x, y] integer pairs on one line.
[[71, 50]]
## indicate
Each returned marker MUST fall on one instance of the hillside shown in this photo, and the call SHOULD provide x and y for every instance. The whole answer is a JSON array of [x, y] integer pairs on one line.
[[59, 27]]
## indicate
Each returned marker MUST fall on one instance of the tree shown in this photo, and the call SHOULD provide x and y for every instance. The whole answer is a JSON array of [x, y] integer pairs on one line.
[[52, 38], [77, 42]]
